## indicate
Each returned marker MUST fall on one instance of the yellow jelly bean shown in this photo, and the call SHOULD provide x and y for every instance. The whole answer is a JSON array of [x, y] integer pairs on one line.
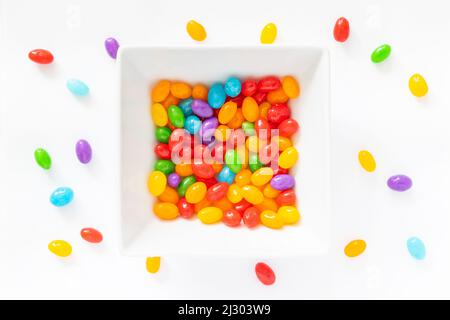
[[417, 85], [196, 30], [289, 214], [222, 133], [288, 158], [227, 112], [180, 90], [156, 183], [165, 210], [267, 204], [196, 192], [290, 87], [234, 193], [355, 248], [210, 215], [237, 120], [60, 248], [270, 192], [271, 219], [252, 144], [161, 91], [252, 194], [199, 91], [262, 176], [250, 109], [169, 195], [264, 109], [153, 264], [282, 142], [159, 115], [243, 178], [268, 33], [277, 96], [367, 161]]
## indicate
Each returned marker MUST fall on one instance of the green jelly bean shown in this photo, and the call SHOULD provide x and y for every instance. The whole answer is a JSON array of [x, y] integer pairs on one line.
[[176, 116], [253, 162], [42, 158], [233, 161], [163, 134], [381, 53], [165, 166], [185, 184], [249, 128]]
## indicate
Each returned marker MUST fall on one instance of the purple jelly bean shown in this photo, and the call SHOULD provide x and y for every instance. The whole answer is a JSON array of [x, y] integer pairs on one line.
[[173, 180], [112, 46], [84, 151], [282, 182], [399, 183], [202, 109]]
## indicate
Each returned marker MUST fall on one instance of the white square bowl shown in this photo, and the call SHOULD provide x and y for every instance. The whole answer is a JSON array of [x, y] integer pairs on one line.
[[141, 232]]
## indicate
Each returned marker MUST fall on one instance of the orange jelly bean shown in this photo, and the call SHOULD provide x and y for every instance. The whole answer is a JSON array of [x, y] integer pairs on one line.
[[166, 210], [291, 87], [243, 178], [161, 91], [169, 195], [270, 192], [202, 204], [170, 101], [277, 96], [180, 90], [250, 109], [223, 204], [237, 120], [227, 112], [264, 109], [222, 133], [355, 248], [200, 91], [267, 204], [184, 169]]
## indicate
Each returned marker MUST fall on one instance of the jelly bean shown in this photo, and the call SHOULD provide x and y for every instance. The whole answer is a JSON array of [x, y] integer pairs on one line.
[[60, 248], [202, 204], [265, 274], [61, 196], [232, 87], [268, 33], [243, 177], [252, 194], [282, 182], [267, 204], [233, 161], [234, 193], [200, 91], [277, 113], [216, 96], [264, 109], [112, 46], [367, 161], [165, 210], [156, 183], [192, 124], [288, 158], [153, 264], [162, 151], [91, 235], [251, 217], [262, 176], [217, 191], [289, 214], [262, 128], [159, 115], [341, 30], [288, 127], [217, 167], [277, 96], [203, 170], [254, 163], [84, 151], [209, 127], [222, 132], [250, 109], [170, 101], [163, 134], [223, 204], [277, 170], [417, 85], [186, 209], [161, 91], [355, 248], [260, 97], [184, 169], [249, 128], [268, 84], [195, 30], [41, 56], [241, 206], [226, 175], [180, 90], [271, 219], [196, 192], [176, 116], [286, 198], [77, 87], [416, 248], [237, 120], [186, 106], [173, 180], [238, 100], [231, 218], [291, 87], [169, 195], [164, 166], [202, 108], [381, 53], [399, 183], [185, 184], [210, 215], [42, 158], [282, 142], [249, 87], [270, 192], [227, 112]]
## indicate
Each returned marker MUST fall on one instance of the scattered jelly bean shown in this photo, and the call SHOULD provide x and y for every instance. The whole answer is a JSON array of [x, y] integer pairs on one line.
[[217, 191], [227, 112], [195, 30], [277, 113], [186, 106], [186, 209], [252, 194], [381, 53], [288, 158], [42, 158], [164, 166], [173, 180], [254, 163], [416, 248], [286, 198], [210, 215], [169, 195], [163, 134], [418, 86], [289, 214], [251, 217], [269, 33], [265, 274], [41, 56], [233, 87], [185, 184], [153, 264], [60, 248], [202, 108], [176, 116], [231, 218], [112, 46], [166, 210], [341, 30], [61, 196], [161, 91], [196, 192], [399, 183], [355, 248], [291, 87], [84, 151], [367, 161], [226, 175], [233, 161], [77, 87], [180, 90], [282, 182], [91, 235], [288, 127], [271, 219], [156, 183], [268, 84], [262, 176], [250, 109]]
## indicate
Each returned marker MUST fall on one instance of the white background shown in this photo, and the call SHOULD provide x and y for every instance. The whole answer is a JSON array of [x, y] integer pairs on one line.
[[371, 109]]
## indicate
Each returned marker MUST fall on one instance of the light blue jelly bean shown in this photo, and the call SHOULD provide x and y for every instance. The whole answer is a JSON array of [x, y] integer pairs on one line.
[[416, 248], [192, 124], [77, 87], [233, 87], [186, 107], [61, 196], [216, 96], [226, 175]]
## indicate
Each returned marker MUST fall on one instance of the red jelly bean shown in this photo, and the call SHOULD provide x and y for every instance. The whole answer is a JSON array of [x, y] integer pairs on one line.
[[41, 56], [232, 218], [217, 191], [268, 84], [262, 128], [341, 30], [286, 198], [249, 88], [203, 170], [91, 235], [186, 209], [238, 100], [209, 182], [162, 151], [241, 206], [265, 273], [260, 97], [251, 217], [288, 127], [277, 113], [279, 170]]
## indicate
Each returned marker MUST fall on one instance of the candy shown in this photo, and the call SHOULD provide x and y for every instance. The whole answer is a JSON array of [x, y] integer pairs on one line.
[[60, 248], [61, 196], [91, 235], [286, 198], [153, 264], [180, 90], [163, 134], [254, 163], [288, 127], [159, 115], [173, 180], [231, 218], [250, 109], [268, 33], [418, 86], [192, 124], [262, 176], [277, 96], [203, 170], [252, 194], [249, 128], [282, 142], [282, 182], [164, 166], [270, 192], [251, 217], [156, 183], [223, 204], [216, 96], [41, 56], [233, 161], [195, 30], [77, 87], [196, 192], [185, 184], [249, 88], [186, 209], [381, 53], [355, 248], [166, 210], [237, 120], [232, 87], [268, 84], [162, 151], [277, 113], [42, 158], [290, 87], [262, 128], [367, 161], [186, 106], [176, 116], [260, 97], [226, 175], [217, 191], [267, 204], [399, 183], [341, 30], [112, 46], [184, 169], [416, 248], [234, 193], [209, 127], [227, 112], [202, 108], [170, 101], [222, 133], [265, 274], [289, 214], [210, 215], [199, 91], [161, 91], [84, 151], [169, 195], [271, 219], [243, 178], [288, 158]]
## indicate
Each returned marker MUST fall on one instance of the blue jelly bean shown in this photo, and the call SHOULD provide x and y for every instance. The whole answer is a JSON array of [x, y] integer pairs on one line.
[[192, 124], [77, 87], [186, 107], [226, 175], [416, 248], [233, 87], [61, 196], [216, 96]]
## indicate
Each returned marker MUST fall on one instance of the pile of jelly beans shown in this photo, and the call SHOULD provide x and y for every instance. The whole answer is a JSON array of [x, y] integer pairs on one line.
[[224, 153]]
